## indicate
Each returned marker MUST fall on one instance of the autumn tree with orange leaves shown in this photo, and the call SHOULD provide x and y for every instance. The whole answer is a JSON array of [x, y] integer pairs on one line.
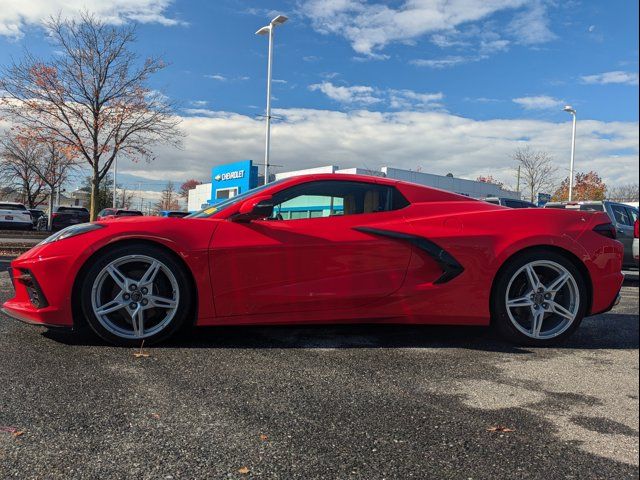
[[92, 97], [587, 186]]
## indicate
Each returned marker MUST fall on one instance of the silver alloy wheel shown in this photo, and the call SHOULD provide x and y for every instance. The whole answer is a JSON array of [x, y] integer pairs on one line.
[[542, 299], [135, 296]]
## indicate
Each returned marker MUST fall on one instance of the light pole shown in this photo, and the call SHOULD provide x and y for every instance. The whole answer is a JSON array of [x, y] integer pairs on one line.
[[268, 30], [115, 174], [572, 111]]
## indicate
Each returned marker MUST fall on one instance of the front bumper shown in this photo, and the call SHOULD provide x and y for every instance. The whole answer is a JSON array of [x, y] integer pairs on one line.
[[43, 287]]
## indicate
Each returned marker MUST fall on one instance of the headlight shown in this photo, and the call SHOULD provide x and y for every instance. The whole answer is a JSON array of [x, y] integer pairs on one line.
[[72, 231]]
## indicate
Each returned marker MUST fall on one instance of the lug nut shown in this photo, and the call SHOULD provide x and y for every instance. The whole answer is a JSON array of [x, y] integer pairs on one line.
[[545, 305], [126, 296], [144, 290], [540, 289], [133, 287], [144, 301], [133, 305], [536, 306], [547, 296]]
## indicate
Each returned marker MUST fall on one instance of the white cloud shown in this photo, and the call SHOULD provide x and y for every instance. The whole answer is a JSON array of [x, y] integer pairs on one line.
[[356, 94], [361, 95], [539, 102], [217, 76], [618, 76], [440, 63], [438, 141], [410, 100], [15, 15], [224, 78], [531, 26], [198, 103], [372, 26]]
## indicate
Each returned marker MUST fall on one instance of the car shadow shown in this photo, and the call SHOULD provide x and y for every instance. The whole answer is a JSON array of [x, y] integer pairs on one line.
[[608, 331]]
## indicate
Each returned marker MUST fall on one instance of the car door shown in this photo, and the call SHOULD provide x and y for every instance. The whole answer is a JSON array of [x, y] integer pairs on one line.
[[624, 229], [308, 256]]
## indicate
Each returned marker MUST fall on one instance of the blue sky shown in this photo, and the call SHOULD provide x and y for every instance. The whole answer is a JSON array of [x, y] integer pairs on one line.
[[442, 86]]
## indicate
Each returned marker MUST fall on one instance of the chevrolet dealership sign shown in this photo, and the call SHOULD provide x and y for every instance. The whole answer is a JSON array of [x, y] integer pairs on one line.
[[221, 177]]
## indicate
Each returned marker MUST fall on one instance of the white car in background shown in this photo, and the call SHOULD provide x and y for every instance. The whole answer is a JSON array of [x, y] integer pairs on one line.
[[15, 216]]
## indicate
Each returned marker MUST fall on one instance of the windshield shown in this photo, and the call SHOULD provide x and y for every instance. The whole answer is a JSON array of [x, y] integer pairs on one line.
[[218, 207]]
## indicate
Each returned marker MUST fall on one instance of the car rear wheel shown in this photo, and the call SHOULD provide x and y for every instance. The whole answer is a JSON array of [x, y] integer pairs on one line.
[[135, 293], [539, 299]]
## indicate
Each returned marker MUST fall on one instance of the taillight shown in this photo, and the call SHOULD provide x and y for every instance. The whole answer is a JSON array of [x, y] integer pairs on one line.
[[606, 230], [54, 215], [635, 229]]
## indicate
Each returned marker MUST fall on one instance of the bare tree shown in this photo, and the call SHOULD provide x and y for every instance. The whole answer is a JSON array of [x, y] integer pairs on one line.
[[624, 193], [18, 155], [53, 167], [124, 198], [92, 96], [169, 198], [537, 171]]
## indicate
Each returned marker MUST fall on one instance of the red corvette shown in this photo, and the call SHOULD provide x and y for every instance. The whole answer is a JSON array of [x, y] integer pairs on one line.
[[326, 249]]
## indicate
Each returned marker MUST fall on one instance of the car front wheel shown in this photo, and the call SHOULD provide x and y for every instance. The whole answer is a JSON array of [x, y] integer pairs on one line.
[[539, 299], [135, 293]]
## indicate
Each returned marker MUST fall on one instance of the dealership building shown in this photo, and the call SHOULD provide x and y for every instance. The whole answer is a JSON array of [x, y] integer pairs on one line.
[[232, 179]]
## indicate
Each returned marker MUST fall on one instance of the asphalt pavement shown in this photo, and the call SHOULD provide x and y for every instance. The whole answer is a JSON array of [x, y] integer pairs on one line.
[[365, 402]]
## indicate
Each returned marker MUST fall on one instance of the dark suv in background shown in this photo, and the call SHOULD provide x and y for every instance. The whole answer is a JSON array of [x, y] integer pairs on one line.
[[64, 216], [622, 216], [510, 202]]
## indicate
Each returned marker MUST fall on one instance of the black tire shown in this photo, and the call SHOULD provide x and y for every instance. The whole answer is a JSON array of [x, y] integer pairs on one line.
[[90, 276], [500, 320]]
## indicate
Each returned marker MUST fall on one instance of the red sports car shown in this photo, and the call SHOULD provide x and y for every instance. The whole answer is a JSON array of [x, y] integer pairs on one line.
[[326, 249]]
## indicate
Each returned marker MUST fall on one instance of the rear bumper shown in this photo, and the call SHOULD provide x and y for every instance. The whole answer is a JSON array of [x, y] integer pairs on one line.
[[16, 225], [606, 292]]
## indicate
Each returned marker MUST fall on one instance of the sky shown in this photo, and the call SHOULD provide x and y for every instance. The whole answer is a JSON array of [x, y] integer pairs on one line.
[[444, 86]]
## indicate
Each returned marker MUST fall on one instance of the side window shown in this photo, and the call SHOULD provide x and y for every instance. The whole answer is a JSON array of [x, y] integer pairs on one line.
[[621, 216], [335, 197], [513, 204], [633, 214]]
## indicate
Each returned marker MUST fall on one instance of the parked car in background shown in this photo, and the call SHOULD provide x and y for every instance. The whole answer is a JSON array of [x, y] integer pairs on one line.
[[510, 202], [636, 247], [36, 214], [65, 216], [173, 213], [15, 216], [622, 216], [108, 213]]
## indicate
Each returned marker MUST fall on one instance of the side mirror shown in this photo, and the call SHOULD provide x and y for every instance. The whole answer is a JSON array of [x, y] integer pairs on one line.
[[254, 208]]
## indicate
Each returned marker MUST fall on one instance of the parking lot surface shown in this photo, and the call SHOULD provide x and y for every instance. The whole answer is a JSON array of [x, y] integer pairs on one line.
[[367, 402]]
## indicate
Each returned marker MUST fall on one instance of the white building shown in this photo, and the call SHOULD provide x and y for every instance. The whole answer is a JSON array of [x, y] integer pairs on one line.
[[198, 197]]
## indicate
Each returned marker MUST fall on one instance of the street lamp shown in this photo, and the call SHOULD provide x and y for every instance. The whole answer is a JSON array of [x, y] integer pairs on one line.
[[572, 111], [268, 30], [115, 175]]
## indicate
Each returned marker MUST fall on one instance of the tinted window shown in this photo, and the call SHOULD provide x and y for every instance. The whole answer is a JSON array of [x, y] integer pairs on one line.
[[494, 201], [633, 214], [514, 204], [177, 214], [129, 213], [621, 215], [11, 206], [594, 207], [334, 197]]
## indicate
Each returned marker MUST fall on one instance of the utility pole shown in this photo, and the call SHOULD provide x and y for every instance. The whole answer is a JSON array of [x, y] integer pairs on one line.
[[518, 184]]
